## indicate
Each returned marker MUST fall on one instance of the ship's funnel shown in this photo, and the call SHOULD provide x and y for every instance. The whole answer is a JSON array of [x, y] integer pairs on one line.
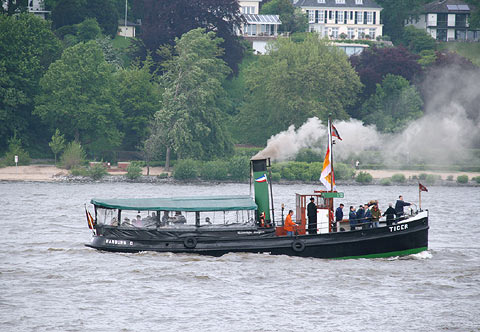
[[260, 178]]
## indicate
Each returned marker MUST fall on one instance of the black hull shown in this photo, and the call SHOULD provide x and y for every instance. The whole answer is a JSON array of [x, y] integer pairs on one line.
[[403, 239]]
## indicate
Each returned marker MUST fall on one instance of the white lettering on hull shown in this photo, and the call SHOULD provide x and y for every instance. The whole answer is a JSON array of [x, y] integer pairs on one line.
[[119, 242], [398, 228]]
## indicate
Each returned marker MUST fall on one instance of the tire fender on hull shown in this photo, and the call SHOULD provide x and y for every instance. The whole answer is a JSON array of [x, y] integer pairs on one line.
[[298, 245], [190, 242]]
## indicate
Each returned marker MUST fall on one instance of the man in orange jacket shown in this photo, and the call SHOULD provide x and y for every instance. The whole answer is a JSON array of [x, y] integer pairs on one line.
[[289, 225]]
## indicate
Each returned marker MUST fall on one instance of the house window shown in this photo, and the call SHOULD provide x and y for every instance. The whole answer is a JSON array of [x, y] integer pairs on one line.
[[340, 17], [371, 32], [369, 17], [311, 16], [251, 29], [248, 10], [321, 16], [350, 33], [360, 18], [335, 33], [321, 1], [359, 2], [361, 33], [340, 1]]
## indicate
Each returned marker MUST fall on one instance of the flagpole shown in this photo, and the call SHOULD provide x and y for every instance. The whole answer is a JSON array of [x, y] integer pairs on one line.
[[331, 152], [419, 197]]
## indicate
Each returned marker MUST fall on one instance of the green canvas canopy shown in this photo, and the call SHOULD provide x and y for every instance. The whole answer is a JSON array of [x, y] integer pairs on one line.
[[202, 203]]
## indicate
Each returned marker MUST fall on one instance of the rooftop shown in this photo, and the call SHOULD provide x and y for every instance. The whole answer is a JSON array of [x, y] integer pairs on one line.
[[262, 19], [448, 6], [333, 3]]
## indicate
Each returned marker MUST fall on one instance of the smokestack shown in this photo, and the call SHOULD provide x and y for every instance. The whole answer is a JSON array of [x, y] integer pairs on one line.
[[260, 178]]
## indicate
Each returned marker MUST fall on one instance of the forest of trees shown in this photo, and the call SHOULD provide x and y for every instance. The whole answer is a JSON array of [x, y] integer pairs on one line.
[[188, 86]]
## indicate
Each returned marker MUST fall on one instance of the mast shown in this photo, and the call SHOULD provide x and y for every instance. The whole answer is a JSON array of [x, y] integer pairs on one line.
[[330, 142]]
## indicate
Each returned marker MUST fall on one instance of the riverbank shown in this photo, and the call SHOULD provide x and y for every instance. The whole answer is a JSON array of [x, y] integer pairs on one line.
[[50, 173]]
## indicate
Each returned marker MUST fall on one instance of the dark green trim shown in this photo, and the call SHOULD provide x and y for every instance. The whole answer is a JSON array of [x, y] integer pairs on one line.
[[388, 254]]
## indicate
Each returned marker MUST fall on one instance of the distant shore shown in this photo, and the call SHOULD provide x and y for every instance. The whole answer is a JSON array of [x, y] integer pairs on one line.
[[50, 173]]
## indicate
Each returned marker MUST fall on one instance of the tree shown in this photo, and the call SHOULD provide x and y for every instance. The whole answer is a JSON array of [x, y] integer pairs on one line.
[[292, 20], [77, 97], [189, 117], [394, 104], [474, 19], [165, 20], [57, 144], [12, 7], [295, 81], [417, 40], [27, 47], [70, 12], [395, 13], [139, 98], [374, 64]]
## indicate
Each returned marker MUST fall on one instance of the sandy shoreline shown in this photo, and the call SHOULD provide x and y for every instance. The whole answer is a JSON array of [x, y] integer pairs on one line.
[[49, 173]]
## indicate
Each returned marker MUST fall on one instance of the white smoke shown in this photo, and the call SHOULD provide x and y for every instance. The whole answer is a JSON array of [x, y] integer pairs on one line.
[[443, 135]]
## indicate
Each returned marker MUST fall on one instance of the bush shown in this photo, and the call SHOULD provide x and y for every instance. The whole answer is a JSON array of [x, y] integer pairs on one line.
[[308, 155], [462, 179], [239, 168], [423, 176], [73, 155], [15, 149], [185, 169], [342, 171], [134, 171], [450, 178], [386, 182], [431, 178], [79, 171], [214, 170], [275, 177], [399, 178], [97, 171], [364, 177], [162, 176], [476, 179]]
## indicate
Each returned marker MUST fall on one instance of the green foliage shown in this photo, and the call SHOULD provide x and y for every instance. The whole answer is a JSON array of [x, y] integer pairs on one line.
[[320, 81], [79, 171], [308, 155], [27, 47], [88, 30], [427, 57], [77, 95], [470, 51], [450, 178], [343, 171], [73, 156], [97, 171], [398, 178], [386, 182], [422, 176], [239, 167], [417, 40], [214, 170], [139, 98], [364, 177], [393, 106], [15, 149], [162, 176], [185, 169], [57, 144], [431, 178], [134, 171], [476, 179], [462, 179], [275, 177], [190, 118]]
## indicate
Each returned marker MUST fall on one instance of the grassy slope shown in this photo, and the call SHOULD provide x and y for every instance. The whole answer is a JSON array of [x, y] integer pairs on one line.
[[470, 51]]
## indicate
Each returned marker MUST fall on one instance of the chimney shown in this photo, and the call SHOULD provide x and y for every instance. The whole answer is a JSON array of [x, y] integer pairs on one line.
[[260, 178]]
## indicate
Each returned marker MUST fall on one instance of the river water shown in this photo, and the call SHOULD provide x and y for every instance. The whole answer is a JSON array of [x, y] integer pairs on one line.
[[49, 281]]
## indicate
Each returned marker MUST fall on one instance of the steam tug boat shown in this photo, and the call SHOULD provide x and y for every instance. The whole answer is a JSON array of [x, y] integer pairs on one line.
[[216, 225]]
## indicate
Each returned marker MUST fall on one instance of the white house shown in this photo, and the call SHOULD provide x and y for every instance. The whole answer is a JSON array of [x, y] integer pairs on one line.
[[128, 30], [446, 20], [258, 29], [356, 19]]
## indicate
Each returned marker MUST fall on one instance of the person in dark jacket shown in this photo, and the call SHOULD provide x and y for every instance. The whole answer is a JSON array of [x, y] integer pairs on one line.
[[352, 215], [368, 218], [390, 213], [360, 215], [338, 216], [399, 207], [312, 216]]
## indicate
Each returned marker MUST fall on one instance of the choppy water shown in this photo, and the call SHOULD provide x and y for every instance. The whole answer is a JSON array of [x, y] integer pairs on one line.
[[49, 281]]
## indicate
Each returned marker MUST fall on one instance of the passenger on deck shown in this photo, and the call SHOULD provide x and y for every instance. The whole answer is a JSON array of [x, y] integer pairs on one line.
[[114, 222], [399, 207], [138, 222], [338, 216], [376, 214], [289, 225], [360, 216], [165, 218], [390, 213], [179, 218], [352, 215], [367, 217], [312, 216]]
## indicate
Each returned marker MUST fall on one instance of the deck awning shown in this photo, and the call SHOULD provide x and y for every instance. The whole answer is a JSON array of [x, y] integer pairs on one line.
[[202, 203], [262, 19]]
